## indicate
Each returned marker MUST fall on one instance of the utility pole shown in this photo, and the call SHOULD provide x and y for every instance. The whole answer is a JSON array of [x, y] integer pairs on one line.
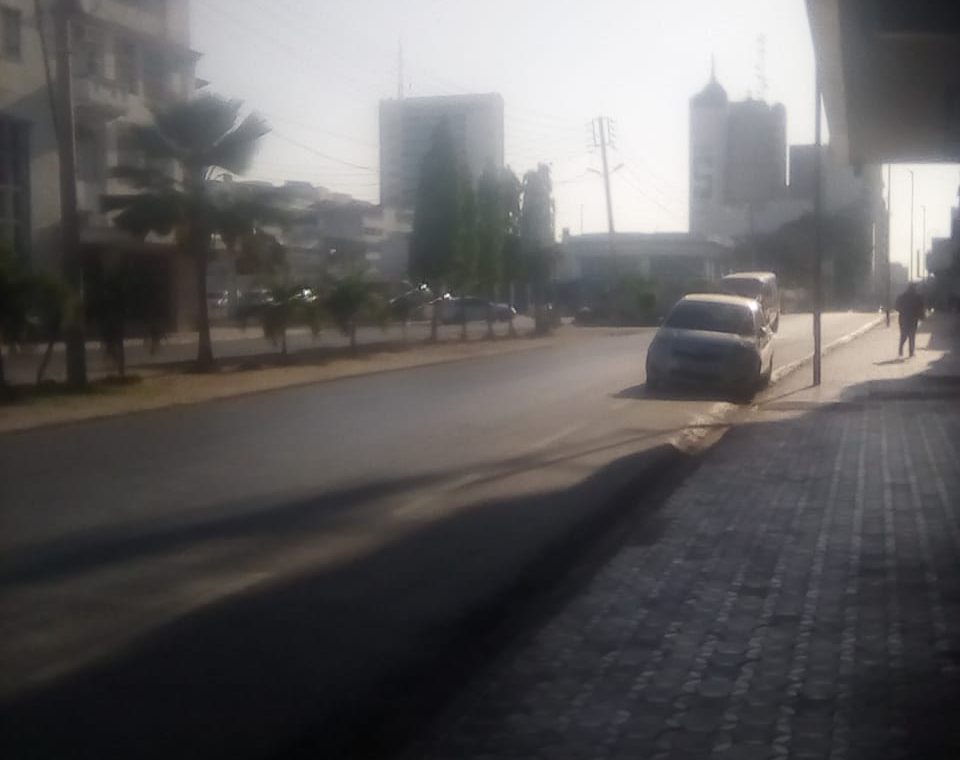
[[886, 307], [69, 220], [400, 82], [818, 234], [922, 261], [913, 271], [601, 138]]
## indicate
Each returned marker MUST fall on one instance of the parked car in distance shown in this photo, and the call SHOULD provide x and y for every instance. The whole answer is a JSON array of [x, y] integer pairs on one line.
[[456, 309], [252, 302], [712, 339], [761, 286], [218, 303], [305, 295], [412, 303]]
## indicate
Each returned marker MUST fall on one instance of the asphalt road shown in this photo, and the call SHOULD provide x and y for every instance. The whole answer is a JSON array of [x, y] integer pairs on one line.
[[270, 559]]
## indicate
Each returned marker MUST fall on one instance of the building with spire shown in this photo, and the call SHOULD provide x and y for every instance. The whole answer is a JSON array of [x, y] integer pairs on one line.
[[738, 162], [742, 186]]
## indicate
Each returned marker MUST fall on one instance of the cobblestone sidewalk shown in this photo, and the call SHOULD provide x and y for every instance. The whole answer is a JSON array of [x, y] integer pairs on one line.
[[802, 600]]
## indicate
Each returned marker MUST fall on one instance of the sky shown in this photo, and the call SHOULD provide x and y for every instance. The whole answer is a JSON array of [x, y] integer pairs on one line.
[[316, 69]]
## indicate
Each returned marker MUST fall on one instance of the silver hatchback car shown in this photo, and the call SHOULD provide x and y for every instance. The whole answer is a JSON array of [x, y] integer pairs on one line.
[[712, 339]]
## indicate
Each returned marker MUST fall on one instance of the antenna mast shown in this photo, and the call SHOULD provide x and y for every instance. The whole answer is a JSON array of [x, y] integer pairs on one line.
[[761, 67]]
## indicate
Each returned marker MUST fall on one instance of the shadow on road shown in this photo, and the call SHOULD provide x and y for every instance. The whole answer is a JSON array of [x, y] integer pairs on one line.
[[305, 667], [74, 555]]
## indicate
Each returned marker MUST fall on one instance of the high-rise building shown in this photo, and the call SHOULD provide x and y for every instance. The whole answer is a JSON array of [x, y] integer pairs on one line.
[[128, 56], [738, 161], [407, 127]]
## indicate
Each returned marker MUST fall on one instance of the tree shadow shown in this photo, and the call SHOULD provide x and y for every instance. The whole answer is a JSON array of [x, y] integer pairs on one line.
[[306, 667]]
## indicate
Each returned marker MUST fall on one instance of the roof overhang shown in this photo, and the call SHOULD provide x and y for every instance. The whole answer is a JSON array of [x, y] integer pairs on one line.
[[891, 82]]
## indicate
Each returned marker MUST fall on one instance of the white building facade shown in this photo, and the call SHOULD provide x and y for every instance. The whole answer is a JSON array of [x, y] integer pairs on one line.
[[128, 56]]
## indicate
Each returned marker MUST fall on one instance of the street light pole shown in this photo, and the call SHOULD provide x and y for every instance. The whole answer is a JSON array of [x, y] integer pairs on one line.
[[912, 268], [818, 234], [886, 307], [922, 262], [69, 219]]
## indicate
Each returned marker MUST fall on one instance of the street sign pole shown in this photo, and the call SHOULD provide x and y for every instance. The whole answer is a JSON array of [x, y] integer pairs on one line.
[[818, 236]]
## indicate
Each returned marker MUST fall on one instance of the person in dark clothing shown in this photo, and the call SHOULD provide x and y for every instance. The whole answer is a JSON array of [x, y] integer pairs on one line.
[[911, 309]]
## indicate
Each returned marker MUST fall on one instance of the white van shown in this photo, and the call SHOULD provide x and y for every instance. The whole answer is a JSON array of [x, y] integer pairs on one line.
[[760, 286]]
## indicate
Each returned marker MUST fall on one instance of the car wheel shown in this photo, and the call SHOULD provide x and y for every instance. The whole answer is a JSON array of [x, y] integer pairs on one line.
[[766, 376]]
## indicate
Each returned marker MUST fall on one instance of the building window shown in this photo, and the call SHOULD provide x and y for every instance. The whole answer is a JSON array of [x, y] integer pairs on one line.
[[90, 52], [10, 29], [91, 155], [126, 67], [155, 79], [14, 186]]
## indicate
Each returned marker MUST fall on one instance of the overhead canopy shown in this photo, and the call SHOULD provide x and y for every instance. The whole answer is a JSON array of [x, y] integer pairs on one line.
[[891, 77]]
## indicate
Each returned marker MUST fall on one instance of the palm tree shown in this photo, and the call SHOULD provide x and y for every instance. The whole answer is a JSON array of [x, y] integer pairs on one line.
[[183, 147]]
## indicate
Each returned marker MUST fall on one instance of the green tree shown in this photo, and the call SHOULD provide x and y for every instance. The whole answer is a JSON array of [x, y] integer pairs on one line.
[[464, 269], [50, 304], [290, 305], [14, 306], [121, 296], [437, 223], [183, 147], [491, 230], [350, 301], [537, 238], [514, 272], [245, 216]]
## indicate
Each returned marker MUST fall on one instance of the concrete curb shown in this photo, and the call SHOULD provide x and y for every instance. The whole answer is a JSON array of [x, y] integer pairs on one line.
[[787, 369]]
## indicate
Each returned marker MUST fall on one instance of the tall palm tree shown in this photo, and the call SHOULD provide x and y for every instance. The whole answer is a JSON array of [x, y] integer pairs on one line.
[[183, 147]]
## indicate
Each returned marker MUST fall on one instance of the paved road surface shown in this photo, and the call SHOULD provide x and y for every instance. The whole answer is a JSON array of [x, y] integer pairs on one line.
[[135, 549]]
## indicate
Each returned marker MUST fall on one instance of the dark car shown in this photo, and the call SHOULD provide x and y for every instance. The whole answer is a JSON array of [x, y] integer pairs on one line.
[[252, 302], [457, 309]]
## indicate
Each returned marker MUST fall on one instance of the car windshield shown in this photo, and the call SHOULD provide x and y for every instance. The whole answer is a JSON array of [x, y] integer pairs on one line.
[[712, 317]]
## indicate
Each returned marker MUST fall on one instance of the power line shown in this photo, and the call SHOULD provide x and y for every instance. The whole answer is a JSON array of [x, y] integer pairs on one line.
[[641, 192], [640, 183], [267, 40], [321, 154], [317, 128]]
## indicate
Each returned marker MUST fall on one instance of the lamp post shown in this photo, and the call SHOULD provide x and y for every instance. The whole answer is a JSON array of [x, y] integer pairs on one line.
[[911, 270], [818, 232], [922, 263]]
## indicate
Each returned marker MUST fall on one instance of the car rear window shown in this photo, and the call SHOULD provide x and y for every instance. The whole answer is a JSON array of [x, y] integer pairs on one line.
[[742, 287], [714, 317]]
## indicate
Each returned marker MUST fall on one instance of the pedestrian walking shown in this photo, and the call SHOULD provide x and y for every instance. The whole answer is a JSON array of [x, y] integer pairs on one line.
[[911, 310]]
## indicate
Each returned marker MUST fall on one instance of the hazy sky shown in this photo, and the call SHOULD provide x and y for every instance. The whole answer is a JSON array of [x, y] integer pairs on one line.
[[317, 69]]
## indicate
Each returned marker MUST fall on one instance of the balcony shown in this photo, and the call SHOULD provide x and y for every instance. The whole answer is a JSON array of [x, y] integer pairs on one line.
[[99, 99]]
